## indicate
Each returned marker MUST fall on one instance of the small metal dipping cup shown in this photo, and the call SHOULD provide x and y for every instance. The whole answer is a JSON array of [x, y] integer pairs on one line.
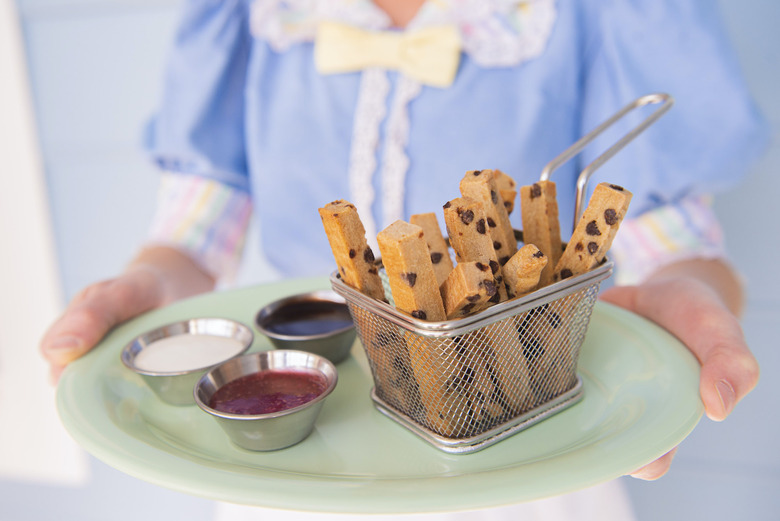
[[271, 431], [318, 322], [175, 387]]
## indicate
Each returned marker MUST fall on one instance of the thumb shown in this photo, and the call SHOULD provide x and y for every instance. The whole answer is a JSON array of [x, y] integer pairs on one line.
[[693, 313], [94, 312]]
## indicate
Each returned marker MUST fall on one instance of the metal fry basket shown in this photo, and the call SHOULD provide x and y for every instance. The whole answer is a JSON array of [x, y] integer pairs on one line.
[[463, 385]]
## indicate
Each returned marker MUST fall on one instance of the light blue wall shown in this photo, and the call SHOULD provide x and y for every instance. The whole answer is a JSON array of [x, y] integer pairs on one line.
[[95, 67]]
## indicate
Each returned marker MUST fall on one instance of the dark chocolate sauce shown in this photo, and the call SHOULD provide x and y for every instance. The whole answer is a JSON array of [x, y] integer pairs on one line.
[[308, 318]]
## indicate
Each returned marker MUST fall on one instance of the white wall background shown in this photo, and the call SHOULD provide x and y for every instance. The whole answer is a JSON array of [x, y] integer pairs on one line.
[[42, 450], [94, 69]]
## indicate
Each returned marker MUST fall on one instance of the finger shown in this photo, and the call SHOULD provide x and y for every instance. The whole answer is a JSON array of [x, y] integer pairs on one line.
[[655, 469], [75, 333], [727, 376], [93, 313], [694, 314]]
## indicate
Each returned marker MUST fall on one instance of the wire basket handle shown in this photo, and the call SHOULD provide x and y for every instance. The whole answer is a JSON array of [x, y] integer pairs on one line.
[[582, 181]]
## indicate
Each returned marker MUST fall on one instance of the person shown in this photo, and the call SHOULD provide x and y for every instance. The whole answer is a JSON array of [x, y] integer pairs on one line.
[[272, 109]]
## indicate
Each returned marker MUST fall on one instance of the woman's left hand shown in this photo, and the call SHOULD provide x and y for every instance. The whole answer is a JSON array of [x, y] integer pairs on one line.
[[697, 301]]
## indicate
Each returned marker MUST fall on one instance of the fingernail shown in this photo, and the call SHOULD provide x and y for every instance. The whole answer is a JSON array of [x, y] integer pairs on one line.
[[64, 350], [65, 343], [727, 396]]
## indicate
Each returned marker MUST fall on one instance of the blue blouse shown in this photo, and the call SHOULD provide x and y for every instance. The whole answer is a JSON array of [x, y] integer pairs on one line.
[[244, 109]]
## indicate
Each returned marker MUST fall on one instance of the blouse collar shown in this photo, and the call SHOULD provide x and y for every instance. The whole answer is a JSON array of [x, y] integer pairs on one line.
[[495, 33]]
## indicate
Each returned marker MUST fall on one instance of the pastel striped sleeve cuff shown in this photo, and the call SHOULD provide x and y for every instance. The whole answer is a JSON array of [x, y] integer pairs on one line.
[[684, 230], [204, 218]]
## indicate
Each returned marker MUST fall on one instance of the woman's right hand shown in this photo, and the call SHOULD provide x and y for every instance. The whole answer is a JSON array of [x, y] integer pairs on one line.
[[158, 276]]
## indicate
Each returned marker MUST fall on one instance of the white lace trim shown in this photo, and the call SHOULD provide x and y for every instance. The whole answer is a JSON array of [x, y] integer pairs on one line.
[[508, 34], [283, 23], [395, 162], [369, 113]]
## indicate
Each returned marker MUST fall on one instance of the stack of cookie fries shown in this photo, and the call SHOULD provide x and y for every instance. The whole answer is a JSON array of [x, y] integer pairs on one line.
[[466, 353], [495, 349]]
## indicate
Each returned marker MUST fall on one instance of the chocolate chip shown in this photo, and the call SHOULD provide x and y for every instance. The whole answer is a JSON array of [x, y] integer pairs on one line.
[[494, 197], [398, 365], [352, 253], [566, 273], [477, 172], [554, 319], [481, 226], [610, 216], [343, 271], [436, 257], [593, 248], [373, 271], [473, 298], [482, 267], [467, 308], [538, 254], [368, 255], [409, 278], [508, 205], [496, 245], [467, 216], [532, 348], [491, 222], [617, 187], [592, 228], [536, 191], [493, 266], [490, 287], [468, 374], [384, 339], [419, 313], [579, 247], [503, 260], [495, 298], [447, 204]]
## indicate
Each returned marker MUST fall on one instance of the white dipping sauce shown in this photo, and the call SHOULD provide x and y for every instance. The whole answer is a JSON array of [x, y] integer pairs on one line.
[[186, 352]]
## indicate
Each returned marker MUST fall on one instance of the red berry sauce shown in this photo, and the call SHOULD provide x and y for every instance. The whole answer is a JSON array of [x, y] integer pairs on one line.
[[268, 392]]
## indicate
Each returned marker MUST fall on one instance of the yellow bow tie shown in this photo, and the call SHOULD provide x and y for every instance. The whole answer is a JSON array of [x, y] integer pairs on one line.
[[428, 55]]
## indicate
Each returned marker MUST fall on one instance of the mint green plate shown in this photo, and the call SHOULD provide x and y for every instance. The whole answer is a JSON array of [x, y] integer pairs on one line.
[[641, 400]]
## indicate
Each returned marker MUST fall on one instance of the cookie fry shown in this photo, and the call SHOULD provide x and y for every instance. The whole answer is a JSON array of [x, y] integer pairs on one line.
[[354, 257], [541, 227], [595, 231], [440, 254], [523, 270], [410, 271]]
